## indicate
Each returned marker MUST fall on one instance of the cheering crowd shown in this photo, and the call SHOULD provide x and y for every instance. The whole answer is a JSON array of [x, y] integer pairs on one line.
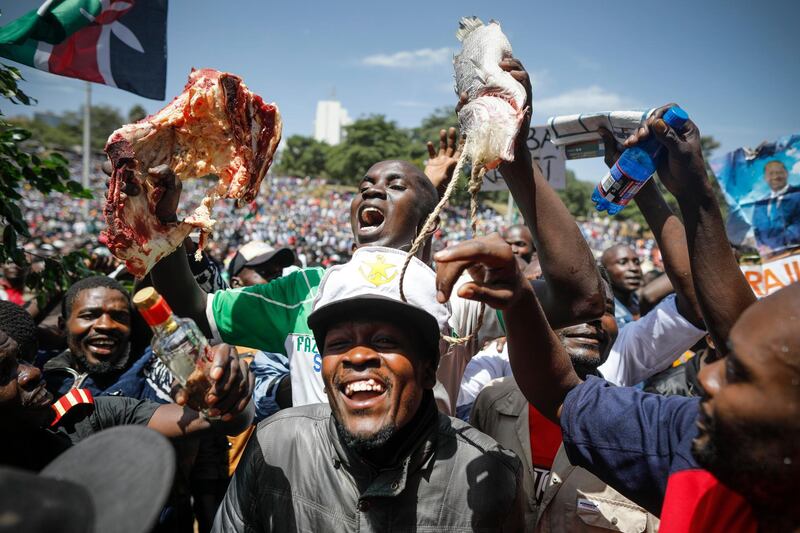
[[310, 222], [488, 383]]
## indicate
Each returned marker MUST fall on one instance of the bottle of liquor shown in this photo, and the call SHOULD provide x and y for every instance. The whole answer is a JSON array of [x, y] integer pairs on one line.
[[633, 168], [180, 345]]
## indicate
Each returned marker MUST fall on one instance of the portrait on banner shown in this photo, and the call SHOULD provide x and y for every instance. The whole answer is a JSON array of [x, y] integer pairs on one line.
[[762, 189]]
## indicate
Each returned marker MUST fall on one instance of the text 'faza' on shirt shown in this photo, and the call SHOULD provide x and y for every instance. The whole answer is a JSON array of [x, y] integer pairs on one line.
[[273, 318]]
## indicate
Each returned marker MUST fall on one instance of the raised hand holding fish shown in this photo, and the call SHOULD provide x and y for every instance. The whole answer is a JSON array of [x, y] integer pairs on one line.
[[496, 98], [494, 116]]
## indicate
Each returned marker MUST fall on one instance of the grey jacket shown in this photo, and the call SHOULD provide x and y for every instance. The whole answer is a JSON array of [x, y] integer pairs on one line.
[[573, 499], [501, 411], [298, 475]]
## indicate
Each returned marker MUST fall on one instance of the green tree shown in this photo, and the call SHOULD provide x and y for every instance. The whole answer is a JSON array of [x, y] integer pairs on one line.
[[68, 133], [303, 156], [577, 196], [442, 118], [136, 114], [368, 140], [47, 174]]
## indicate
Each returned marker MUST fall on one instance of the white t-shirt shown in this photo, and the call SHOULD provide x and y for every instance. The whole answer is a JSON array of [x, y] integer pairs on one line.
[[643, 348], [649, 345], [486, 365], [463, 319]]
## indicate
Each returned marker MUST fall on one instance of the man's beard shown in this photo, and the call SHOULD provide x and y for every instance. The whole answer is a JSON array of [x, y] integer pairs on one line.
[[102, 368], [362, 443], [748, 459], [585, 366]]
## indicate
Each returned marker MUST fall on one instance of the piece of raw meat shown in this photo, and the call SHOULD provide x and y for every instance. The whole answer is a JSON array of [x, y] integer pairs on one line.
[[215, 126], [491, 118]]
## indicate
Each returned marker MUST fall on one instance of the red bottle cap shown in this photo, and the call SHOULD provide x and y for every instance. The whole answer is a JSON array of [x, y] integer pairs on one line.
[[153, 307]]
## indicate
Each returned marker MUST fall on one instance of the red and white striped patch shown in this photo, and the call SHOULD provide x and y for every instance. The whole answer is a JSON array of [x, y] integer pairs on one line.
[[71, 399]]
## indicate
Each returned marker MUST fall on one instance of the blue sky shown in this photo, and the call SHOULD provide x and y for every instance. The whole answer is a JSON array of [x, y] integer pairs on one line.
[[733, 66]]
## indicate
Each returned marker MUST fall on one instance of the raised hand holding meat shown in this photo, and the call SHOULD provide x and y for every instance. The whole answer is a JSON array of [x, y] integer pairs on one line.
[[216, 126]]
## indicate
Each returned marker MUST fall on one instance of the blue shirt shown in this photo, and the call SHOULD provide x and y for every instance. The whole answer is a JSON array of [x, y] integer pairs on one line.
[[641, 444], [621, 313], [269, 369]]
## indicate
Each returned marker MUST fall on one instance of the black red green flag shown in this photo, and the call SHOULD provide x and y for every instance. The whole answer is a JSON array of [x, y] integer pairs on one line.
[[121, 43]]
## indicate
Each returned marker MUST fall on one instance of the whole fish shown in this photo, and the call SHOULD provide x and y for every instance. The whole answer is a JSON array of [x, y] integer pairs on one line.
[[491, 118]]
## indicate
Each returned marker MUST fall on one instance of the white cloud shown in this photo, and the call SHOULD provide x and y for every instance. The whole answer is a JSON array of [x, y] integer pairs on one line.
[[448, 88], [795, 168], [424, 57], [411, 103], [587, 63], [539, 79], [585, 100]]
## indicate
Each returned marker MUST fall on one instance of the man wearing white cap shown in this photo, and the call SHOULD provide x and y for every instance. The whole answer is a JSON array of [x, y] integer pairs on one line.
[[379, 456]]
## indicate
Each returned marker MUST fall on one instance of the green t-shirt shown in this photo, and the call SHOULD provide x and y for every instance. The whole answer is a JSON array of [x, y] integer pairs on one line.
[[273, 318]]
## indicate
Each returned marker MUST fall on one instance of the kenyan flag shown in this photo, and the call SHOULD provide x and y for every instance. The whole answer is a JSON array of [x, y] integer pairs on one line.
[[121, 43]]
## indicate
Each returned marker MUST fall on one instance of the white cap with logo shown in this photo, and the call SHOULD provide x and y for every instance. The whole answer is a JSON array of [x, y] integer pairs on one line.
[[370, 283]]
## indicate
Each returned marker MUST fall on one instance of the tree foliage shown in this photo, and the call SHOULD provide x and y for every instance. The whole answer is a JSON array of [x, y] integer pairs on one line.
[[47, 173], [136, 113], [577, 196], [303, 156], [367, 141], [66, 129], [442, 118]]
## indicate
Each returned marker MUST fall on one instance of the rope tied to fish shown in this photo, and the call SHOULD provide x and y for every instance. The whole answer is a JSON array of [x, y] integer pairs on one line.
[[489, 122]]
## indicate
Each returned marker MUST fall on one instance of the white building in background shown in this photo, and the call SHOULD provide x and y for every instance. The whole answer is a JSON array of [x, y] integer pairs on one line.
[[330, 119]]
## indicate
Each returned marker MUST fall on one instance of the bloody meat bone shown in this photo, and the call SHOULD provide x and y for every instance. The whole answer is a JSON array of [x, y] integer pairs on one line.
[[216, 126]]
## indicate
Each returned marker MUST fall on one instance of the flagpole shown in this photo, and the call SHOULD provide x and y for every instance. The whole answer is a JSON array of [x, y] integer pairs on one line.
[[87, 112]]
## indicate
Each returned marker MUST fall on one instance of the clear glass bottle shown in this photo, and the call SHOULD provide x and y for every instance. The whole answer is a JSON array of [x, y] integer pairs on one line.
[[180, 345]]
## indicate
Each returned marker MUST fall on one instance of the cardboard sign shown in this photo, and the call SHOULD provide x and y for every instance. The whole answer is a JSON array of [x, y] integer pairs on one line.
[[549, 157], [774, 275]]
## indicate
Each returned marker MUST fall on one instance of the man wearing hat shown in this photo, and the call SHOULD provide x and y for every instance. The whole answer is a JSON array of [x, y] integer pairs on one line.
[[393, 202], [379, 456], [257, 262]]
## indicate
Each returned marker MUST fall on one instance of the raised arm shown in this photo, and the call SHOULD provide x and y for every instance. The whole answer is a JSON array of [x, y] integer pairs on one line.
[[572, 289], [172, 276], [544, 373], [442, 161], [173, 279], [721, 289], [670, 236]]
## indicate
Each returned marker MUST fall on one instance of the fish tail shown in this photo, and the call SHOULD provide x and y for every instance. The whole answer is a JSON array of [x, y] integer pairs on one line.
[[466, 26]]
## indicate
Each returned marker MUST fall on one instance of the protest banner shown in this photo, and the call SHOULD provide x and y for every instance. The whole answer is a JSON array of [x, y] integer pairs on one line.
[[549, 157], [773, 275], [762, 189]]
